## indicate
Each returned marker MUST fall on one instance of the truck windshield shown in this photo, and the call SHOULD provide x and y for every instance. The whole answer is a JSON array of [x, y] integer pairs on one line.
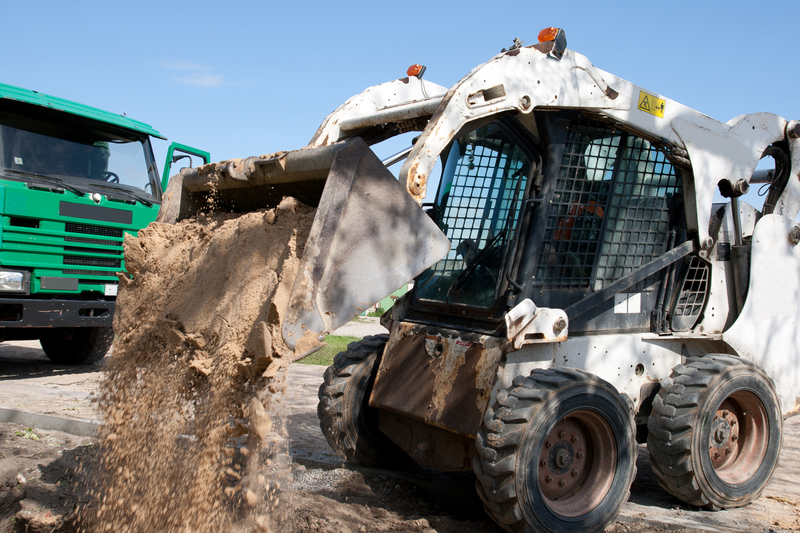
[[80, 160], [483, 183]]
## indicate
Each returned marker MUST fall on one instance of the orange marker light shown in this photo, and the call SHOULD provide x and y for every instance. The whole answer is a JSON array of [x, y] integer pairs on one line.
[[416, 70], [548, 34]]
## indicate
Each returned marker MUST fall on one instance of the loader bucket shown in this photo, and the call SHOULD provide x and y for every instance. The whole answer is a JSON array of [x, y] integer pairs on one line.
[[368, 238], [243, 185]]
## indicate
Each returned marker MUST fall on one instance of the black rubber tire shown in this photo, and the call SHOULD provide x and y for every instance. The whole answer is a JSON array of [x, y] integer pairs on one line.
[[521, 443], [76, 346], [349, 424], [697, 410]]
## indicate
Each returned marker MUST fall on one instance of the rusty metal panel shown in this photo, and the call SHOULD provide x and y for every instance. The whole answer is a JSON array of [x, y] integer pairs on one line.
[[429, 446], [440, 377]]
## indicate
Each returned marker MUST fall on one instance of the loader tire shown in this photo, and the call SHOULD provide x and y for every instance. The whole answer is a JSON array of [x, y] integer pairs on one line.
[[556, 452], [76, 346], [349, 424], [714, 434]]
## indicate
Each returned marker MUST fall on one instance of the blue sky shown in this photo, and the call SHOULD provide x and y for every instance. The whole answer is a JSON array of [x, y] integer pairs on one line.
[[247, 78]]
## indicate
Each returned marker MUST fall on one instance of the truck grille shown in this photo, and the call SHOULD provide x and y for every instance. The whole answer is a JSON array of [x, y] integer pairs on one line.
[[93, 230], [76, 250], [93, 250], [114, 262], [89, 273], [91, 261]]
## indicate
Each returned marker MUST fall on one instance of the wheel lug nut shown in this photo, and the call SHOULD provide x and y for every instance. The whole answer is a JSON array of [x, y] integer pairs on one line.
[[575, 473], [727, 451], [574, 438], [716, 455], [562, 483], [734, 438], [543, 463], [548, 479], [548, 444], [562, 434], [579, 455]]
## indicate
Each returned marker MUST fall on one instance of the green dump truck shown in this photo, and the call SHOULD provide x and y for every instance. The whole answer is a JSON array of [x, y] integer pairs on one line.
[[73, 181]]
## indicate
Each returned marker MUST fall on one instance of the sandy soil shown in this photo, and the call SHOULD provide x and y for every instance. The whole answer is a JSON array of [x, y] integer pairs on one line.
[[40, 488], [330, 496]]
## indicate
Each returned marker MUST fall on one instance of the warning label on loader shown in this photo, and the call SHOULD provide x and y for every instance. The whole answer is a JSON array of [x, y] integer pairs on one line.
[[650, 104]]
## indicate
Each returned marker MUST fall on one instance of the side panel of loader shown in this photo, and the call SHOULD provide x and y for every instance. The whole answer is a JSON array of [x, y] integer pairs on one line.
[[766, 330]]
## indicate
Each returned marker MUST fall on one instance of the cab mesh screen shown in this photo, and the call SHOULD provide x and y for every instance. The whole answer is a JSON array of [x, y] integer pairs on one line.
[[610, 211], [580, 199]]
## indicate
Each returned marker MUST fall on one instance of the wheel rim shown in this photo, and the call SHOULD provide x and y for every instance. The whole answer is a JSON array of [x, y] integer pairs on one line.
[[739, 437], [577, 464]]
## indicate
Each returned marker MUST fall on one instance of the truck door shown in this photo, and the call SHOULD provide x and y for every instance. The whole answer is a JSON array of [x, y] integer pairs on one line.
[[177, 152]]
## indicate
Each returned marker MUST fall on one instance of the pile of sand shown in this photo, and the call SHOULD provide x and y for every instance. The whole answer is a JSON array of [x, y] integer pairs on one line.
[[197, 369]]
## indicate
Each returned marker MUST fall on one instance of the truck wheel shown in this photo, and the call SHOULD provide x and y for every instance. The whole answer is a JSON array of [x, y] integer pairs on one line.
[[349, 424], [714, 434], [557, 452], [76, 346]]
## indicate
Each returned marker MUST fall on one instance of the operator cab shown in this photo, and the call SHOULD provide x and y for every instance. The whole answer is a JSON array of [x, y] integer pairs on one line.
[[555, 211]]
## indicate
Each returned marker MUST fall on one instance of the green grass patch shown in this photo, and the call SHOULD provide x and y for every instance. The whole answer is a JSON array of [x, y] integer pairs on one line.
[[333, 345]]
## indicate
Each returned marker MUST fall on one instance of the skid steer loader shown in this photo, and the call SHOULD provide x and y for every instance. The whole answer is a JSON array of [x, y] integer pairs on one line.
[[577, 289]]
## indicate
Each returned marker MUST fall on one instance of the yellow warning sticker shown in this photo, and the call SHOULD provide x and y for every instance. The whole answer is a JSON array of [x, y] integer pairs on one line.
[[650, 104]]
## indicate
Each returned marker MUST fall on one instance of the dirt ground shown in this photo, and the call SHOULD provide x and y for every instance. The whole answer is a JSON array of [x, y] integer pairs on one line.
[[40, 487]]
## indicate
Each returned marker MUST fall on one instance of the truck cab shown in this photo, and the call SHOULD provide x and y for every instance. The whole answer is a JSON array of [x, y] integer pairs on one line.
[[74, 180]]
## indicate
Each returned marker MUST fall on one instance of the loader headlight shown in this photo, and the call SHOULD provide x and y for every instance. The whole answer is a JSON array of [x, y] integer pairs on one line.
[[11, 281]]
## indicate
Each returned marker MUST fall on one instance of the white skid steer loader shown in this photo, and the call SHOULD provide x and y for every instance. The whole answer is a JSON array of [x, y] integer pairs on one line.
[[576, 288]]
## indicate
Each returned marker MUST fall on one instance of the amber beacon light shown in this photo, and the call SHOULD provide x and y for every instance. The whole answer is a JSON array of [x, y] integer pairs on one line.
[[416, 70], [557, 37], [548, 34]]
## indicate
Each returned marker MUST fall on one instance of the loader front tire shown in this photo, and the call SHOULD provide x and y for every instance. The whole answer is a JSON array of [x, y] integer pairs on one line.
[[556, 452], [349, 424], [714, 434], [76, 346]]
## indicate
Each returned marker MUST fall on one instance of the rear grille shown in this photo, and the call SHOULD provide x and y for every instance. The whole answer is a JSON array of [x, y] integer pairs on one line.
[[692, 298]]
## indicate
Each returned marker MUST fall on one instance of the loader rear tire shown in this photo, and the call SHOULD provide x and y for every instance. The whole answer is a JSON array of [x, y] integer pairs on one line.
[[76, 346], [349, 424], [714, 434], [556, 452]]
